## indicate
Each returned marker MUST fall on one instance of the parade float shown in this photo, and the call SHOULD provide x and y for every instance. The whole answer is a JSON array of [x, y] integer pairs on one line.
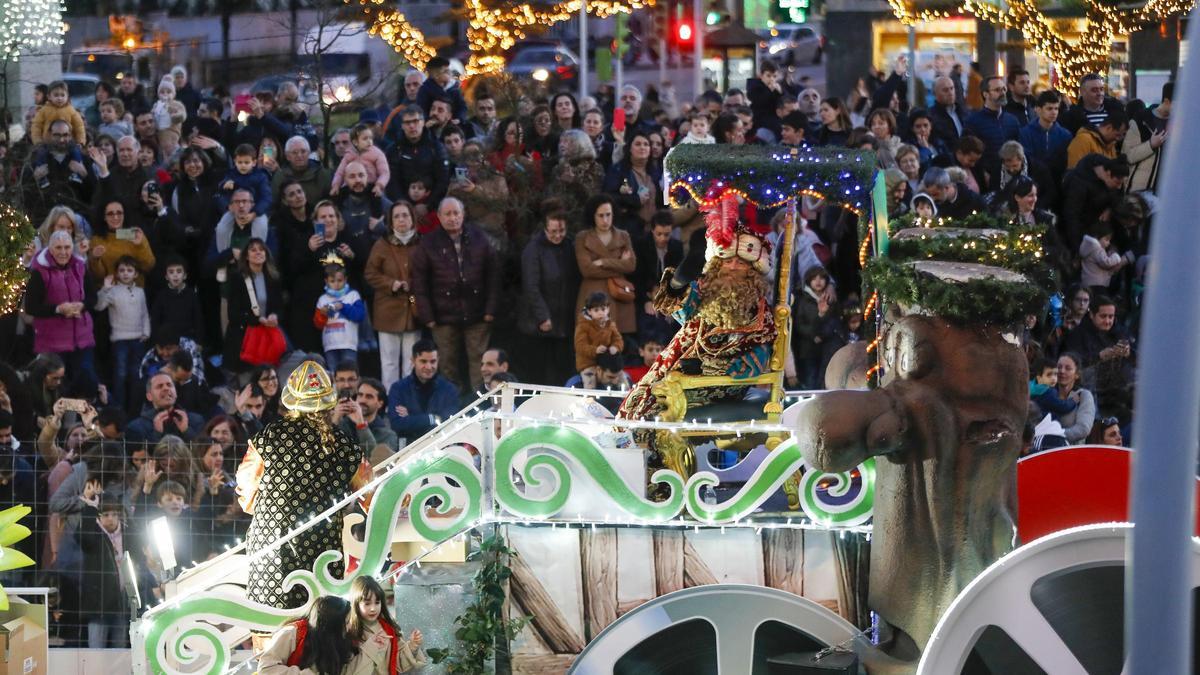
[[720, 524]]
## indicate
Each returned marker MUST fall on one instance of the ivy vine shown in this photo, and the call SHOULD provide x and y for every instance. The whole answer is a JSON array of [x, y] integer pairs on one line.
[[483, 629]]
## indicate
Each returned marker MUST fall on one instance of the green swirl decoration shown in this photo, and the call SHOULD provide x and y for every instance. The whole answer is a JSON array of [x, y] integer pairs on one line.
[[770, 475], [856, 511], [582, 453], [201, 610]]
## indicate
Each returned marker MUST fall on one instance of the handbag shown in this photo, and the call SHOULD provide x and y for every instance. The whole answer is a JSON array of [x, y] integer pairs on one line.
[[620, 289], [261, 345]]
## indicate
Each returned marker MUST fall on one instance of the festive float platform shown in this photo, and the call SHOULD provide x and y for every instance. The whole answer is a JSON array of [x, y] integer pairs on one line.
[[550, 468]]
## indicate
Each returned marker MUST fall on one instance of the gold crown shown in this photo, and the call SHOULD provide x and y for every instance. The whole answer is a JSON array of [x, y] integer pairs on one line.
[[309, 389], [332, 258]]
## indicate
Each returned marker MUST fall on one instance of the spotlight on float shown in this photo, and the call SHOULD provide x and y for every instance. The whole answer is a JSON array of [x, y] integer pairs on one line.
[[160, 530]]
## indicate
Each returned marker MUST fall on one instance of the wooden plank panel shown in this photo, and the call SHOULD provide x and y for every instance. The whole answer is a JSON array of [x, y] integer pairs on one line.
[[598, 552], [668, 561], [548, 620], [783, 560], [553, 664]]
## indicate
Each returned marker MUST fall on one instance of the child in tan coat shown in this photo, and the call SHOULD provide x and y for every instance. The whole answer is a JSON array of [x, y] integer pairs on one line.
[[595, 332]]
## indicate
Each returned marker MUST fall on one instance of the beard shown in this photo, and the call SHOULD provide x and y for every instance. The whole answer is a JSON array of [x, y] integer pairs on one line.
[[729, 297]]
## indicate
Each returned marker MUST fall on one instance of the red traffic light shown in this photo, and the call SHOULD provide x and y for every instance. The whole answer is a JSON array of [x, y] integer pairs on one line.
[[685, 32]]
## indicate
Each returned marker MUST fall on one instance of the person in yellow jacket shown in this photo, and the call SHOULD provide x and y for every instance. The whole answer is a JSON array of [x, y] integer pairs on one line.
[[1101, 140], [57, 107]]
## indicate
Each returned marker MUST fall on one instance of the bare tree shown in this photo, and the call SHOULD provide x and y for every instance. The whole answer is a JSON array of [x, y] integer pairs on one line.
[[334, 24]]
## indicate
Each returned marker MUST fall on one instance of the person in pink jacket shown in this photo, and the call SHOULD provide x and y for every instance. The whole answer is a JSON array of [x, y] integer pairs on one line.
[[363, 150]]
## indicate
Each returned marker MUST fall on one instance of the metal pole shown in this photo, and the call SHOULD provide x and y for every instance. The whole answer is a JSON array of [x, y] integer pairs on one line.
[[698, 45], [619, 70], [583, 51], [1158, 598], [912, 68], [662, 54]]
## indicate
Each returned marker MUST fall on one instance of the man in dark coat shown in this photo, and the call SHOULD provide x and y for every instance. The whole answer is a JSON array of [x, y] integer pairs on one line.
[[419, 402], [60, 181], [415, 154], [991, 124], [123, 181], [948, 116], [1092, 108], [954, 200], [185, 93], [313, 177], [456, 284], [133, 95], [655, 252], [546, 313], [1089, 190]]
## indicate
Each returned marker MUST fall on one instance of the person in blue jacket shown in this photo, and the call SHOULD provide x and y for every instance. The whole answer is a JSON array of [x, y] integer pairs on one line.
[[441, 82], [424, 399], [245, 175], [1044, 139], [991, 124]]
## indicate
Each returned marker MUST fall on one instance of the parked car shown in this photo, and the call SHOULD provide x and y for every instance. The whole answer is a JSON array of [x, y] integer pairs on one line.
[[81, 87], [793, 44], [545, 64]]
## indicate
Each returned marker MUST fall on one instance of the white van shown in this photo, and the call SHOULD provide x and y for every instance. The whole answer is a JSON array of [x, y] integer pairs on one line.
[[341, 53]]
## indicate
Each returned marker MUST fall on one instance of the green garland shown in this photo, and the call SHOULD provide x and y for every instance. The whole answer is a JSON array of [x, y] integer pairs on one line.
[[1019, 250], [975, 221], [984, 301], [13, 274], [770, 175]]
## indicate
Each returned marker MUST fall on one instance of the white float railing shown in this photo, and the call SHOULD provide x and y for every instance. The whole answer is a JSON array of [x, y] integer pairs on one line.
[[557, 460]]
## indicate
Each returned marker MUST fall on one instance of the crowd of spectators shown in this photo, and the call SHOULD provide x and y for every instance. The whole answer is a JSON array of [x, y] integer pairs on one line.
[[435, 249]]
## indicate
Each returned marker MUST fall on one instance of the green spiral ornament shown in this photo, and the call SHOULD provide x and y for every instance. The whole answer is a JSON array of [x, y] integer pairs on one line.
[[767, 479], [556, 442], [201, 611], [856, 510]]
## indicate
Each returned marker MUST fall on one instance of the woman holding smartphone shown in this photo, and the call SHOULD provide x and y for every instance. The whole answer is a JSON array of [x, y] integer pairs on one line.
[[307, 272], [115, 240]]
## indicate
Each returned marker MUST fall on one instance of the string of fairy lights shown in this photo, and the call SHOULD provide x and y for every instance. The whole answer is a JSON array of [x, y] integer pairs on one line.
[[491, 29], [1088, 54], [396, 30], [27, 25]]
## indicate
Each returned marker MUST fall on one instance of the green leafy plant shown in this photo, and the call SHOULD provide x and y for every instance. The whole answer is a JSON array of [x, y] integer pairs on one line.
[[483, 630], [979, 301]]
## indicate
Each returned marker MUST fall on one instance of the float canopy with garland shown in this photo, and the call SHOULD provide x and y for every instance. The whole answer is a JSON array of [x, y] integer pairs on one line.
[[768, 559]]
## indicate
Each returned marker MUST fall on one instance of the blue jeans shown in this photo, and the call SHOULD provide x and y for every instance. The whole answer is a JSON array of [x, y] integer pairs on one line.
[[108, 631], [127, 356], [336, 357], [80, 364]]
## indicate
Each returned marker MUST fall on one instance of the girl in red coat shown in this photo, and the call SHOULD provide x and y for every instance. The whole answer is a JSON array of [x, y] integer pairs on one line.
[[382, 649]]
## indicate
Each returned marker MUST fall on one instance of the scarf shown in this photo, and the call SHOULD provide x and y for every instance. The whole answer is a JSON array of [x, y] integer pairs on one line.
[[339, 293], [406, 237]]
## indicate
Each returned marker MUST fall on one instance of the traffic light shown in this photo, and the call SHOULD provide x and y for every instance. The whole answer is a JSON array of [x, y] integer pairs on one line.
[[685, 32], [620, 43]]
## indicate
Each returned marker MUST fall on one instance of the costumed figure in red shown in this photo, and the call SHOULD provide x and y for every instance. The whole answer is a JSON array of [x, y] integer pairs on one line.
[[719, 295]]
